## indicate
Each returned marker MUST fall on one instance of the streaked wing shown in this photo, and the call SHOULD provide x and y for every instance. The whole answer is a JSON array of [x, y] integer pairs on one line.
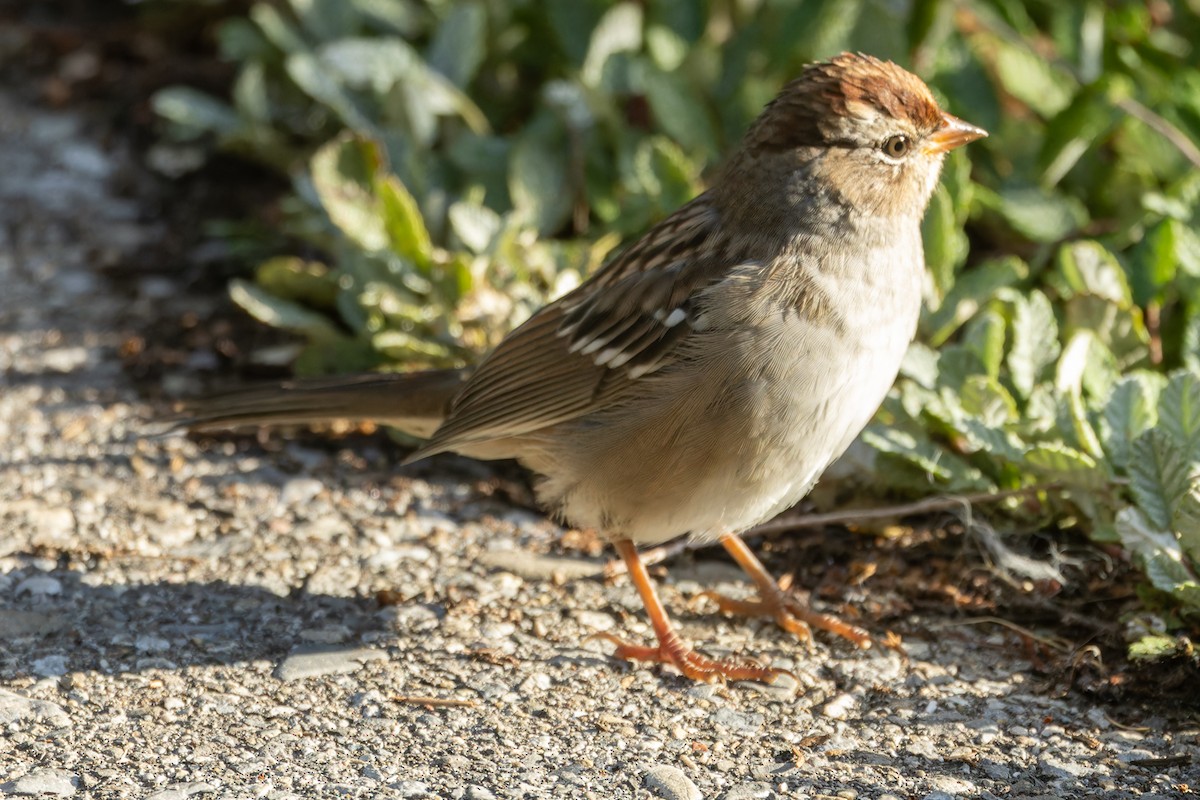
[[573, 355]]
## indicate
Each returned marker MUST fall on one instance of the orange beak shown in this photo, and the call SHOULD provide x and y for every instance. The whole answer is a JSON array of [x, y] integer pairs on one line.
[[953, 133]]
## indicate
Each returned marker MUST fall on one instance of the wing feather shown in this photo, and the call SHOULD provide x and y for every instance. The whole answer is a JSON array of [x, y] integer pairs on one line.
[[578, 353]]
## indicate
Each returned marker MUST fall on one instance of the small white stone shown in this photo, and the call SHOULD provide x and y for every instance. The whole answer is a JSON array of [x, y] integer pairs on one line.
[[595, 620], [50, 666], [670, 783], [839, 707], [42, 782], [151, 644], [39, 585]]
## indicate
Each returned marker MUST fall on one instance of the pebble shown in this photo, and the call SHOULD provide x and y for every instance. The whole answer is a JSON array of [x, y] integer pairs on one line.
[[42, 782], [311, 661], [52, 523], [18, 708], [50, 666], [181, 791], [955, 787], [14, 624], [534, 567], [670, 783], [595, 620], [65, 359], [400, 554], [39, 585], [755, 790], [331, 634], [539, 681], [151, 644], [410, 789], [740, 722], [839, 707], [495, 631], [299, 491], [1058, 769]]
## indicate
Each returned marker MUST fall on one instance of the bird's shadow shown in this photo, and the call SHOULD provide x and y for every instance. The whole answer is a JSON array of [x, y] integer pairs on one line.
[[56, 621]]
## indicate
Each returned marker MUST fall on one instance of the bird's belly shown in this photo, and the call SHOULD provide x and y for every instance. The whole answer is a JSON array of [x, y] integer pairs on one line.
[[710, 458]]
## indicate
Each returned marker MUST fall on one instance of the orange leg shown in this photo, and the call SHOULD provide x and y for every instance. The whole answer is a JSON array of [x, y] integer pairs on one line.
[[671, 649], [774, 602]]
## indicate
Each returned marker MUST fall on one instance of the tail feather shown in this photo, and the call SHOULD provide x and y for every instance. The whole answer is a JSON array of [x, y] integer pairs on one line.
[[413, 402]]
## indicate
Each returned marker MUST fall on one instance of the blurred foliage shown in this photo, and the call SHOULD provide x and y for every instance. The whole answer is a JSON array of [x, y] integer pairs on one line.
[[458, 162]]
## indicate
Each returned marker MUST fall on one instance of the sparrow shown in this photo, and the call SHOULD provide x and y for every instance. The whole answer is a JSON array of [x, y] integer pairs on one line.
[[701, 381]]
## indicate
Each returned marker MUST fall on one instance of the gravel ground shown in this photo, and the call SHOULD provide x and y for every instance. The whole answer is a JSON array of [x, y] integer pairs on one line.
[[186, 618]]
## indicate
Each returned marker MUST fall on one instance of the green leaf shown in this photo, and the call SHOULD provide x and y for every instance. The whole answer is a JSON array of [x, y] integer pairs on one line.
[[922, 19], [666, 173], [1129, 412], [945, 241], [685, 20], [1191, 340], [1031, 78], [475, 225], [537, 176], [326, 19], [1179, 413], [667, 49], [1153, 647], [1058, 462], [381, 65], [922, 453], [618, 31], [1041, 215], [1086, 267], [396, 16], [678, 109], [1157, 261], [251, 95], [985, 336], [406, 231], [341, 355], [292, 278], [1069, 381], [995, 442], [957, 363], [1166, 482], [971, 291], [277, 29], [460, 43], [1072, 132], [920, 365], [1120, 330], [241, 41], [343, 172], [573, 22], [279, 313], [406, 348], [1160, 555], [313, 77], [986, 400], [194, 112], [1035, 341]]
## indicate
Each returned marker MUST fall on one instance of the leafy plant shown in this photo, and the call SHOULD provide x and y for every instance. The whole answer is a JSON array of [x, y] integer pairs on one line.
[[457, 163]]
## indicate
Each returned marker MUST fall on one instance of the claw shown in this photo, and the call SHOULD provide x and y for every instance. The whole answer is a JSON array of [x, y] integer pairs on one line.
[[690, 663], [775, 603]]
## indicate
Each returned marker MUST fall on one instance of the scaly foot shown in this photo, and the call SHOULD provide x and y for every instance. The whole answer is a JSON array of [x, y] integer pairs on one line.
[[671, 649], [774, 602], [690, 663]]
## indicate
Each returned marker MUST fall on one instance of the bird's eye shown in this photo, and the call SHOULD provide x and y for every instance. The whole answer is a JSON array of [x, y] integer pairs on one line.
[[897, 146]]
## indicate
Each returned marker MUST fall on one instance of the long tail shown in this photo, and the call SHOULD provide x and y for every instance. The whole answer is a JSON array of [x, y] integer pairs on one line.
[[414, 402]]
